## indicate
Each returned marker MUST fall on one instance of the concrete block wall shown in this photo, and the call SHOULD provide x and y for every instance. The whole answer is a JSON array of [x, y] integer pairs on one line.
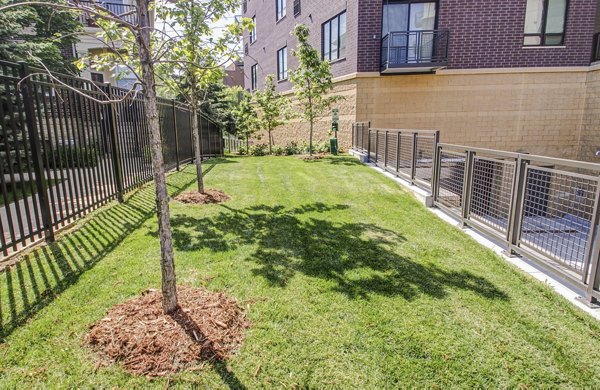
[[589, 143], [524, 111]]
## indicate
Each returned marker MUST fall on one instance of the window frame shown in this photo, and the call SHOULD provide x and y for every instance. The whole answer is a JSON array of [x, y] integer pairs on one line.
[[338, 18], [253, 31], [542, 35], [282, 74], [280, 13], [254, 77]]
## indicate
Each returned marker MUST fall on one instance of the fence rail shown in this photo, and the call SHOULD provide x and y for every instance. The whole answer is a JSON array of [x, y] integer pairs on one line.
[[63, 154], [540, 207]]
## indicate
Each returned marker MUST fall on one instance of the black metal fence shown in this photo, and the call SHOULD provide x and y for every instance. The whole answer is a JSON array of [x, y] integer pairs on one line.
[[543, 208], [63, 154]]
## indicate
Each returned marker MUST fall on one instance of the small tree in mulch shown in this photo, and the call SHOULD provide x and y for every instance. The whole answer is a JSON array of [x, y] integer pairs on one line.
[[207, 326], [246, 118], [158, 333], [312, 81], [196, 52], [274, 109]]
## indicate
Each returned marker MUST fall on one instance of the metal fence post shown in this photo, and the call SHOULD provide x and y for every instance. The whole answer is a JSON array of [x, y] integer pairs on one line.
[[27, 93], [516, 212], [592, 255], [369, 145], [413, 164], [434, 162], [111, 122], [398, 152], [467, 184], [385, 151], [437, 168], [376, 146], [175, 130]]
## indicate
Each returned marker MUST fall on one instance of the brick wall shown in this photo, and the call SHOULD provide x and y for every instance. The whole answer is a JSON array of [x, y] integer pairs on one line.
[[487, 34], [491, 36], [272, 35]]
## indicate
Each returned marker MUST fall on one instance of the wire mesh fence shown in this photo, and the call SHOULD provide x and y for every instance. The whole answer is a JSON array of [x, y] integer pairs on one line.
[[64, 150], [540, 207]]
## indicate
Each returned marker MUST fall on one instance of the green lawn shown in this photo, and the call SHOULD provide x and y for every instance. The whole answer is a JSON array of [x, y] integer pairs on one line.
[[348, 280]]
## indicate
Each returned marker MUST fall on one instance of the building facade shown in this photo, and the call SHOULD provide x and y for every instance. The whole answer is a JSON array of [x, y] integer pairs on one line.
[[515, 75], [90, 45]]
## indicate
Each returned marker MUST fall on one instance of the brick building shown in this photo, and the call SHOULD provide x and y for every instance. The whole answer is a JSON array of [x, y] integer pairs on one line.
[[515, 75]]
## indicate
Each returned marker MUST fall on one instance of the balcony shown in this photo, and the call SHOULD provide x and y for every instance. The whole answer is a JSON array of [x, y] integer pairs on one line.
[[127, 12], [414, 51]]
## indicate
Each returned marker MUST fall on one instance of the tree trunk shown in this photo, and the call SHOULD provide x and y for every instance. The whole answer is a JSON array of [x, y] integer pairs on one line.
[[310, 146], [162, 201], [247, 145], [197, 146], [270, 142]]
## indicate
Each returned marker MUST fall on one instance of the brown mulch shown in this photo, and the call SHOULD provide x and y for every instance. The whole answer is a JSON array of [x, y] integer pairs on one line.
[[206, 197], [313, 157], [207, 326]]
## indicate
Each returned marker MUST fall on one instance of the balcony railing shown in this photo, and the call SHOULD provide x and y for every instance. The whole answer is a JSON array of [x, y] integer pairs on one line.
[[596, 49], [125, 11], [414, 51]]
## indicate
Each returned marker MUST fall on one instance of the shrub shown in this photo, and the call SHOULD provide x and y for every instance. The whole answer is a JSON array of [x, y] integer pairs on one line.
[[291, 148], [322, 147], [241, 151], [259, 150], [278, 150]]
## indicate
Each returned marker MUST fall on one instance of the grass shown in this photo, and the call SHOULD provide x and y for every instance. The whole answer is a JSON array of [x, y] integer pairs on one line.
[[348, 280], [24, 190]]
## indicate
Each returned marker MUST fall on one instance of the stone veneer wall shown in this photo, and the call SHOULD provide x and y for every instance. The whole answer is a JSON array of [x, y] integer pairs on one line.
[[298, 129], [553, 111], [534, 112], [590, 128]]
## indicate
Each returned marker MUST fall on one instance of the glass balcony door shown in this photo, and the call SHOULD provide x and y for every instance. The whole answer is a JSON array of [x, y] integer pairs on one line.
[[410, 26]]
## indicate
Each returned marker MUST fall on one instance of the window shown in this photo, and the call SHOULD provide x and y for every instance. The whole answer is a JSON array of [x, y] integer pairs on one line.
[[297, 7], [253, 77], [545, 22], [279, 9], [334, 38], [253, 31], [97, 77], [282, 65]]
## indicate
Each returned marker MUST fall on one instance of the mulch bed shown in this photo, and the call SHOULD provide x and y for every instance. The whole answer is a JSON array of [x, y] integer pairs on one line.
[[207, 326], [206, 197], [311, 158]]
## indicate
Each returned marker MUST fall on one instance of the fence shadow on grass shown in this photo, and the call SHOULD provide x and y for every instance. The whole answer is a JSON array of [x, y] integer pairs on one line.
[[359, 258], [41, 275]]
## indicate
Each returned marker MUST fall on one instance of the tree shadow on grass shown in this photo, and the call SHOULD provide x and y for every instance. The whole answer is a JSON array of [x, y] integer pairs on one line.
[[339, 160], [358, 259], [42, 274]]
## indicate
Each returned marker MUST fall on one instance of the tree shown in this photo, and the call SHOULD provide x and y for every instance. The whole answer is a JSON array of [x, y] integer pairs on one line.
[[36, 34], [246, 118], [132, 45], [196, 53], [312, 80], [219, 102], [274, 108]]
